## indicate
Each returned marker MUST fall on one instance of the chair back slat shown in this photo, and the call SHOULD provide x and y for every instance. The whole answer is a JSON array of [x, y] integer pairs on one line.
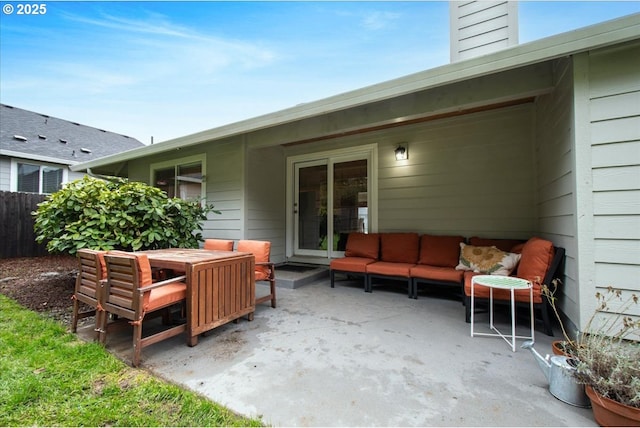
[[88, 288], [91, 273], [122, 281]]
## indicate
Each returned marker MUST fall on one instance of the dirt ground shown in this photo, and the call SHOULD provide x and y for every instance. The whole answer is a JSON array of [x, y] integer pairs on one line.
[[43, 284]]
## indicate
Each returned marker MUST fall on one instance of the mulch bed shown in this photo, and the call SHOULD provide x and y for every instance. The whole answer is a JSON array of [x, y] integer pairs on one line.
[[42, 284]]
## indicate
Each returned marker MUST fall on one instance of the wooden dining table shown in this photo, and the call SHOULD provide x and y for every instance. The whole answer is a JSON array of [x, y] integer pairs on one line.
[[220, 285]]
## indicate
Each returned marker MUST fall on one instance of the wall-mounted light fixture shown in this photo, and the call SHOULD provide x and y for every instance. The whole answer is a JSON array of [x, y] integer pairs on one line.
[[401, 152]]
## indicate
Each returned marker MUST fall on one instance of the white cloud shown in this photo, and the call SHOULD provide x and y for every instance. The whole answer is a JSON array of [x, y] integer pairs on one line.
[[377, 20]]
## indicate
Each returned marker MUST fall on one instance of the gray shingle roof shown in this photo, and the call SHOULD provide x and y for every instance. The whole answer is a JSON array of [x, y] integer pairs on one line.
[[57, 138]]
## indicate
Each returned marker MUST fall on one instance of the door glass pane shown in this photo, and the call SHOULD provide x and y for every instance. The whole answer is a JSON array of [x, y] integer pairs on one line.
[[28, 178], [350, 210], [312, 207], [190, 181], [51, 179]]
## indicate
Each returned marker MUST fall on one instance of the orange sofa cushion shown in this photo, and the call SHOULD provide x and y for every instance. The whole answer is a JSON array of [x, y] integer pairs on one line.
[[351, 264], [400, 247], [390, 269], [537, 255], [365, 245], [441, 251], [502, 244], [499, 294], [437, 273]]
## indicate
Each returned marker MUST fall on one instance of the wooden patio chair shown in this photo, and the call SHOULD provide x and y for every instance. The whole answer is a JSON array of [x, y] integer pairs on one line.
[[130, 294], [218, 244], [88, 288], [265, 269]]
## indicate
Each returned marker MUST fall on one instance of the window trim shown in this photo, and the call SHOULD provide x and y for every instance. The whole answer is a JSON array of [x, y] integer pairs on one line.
[[202, 158], [13, 176]]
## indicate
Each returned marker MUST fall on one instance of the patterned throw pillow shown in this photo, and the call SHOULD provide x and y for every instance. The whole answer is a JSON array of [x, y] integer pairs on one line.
[[487, 260]]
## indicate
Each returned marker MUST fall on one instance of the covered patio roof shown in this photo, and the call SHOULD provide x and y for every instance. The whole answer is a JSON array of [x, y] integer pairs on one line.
[[517, 57]]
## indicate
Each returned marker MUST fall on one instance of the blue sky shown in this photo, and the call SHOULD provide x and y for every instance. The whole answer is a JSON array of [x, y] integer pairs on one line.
[[167, 69]]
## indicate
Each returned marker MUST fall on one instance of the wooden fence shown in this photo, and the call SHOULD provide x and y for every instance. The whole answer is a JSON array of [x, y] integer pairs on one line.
[[17, 238]]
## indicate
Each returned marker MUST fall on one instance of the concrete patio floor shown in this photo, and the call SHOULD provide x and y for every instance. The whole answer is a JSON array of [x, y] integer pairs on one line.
[[343, 357]]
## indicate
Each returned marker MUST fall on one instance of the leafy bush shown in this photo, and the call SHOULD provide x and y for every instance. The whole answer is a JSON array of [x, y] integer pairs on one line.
[[117, 214]]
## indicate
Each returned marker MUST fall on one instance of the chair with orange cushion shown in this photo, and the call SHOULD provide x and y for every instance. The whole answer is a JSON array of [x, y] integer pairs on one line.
[[541, 262], [130, 294], [361, 250], [88, 287], [399, 253], [218, 244], [265, 269]]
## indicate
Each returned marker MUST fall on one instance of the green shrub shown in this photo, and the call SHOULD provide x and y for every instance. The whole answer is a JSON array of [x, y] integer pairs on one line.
[[117, 214]]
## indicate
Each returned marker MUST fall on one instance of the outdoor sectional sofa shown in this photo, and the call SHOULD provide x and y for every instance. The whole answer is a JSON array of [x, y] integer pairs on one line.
[[416, 259]]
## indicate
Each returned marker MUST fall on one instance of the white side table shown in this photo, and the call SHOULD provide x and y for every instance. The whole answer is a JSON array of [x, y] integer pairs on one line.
[[505, 283]]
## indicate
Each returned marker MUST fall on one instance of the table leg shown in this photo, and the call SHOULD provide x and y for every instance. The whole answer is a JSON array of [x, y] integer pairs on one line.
[[192, 340], [472, 305], [491, 308], [513, 320], [533, 326]]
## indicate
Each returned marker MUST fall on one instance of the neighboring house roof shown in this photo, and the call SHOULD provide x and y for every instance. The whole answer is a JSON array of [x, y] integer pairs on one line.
[[588, 38], [37, 136]]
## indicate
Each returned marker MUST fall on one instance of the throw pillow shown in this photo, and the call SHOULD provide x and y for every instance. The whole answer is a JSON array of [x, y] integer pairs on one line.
[[487, 260]]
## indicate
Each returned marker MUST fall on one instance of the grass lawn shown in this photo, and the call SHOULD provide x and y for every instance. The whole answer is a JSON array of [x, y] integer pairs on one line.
[[48, 377]]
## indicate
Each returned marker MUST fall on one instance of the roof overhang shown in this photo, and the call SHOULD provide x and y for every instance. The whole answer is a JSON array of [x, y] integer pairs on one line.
[[588, 38], [39, 158]]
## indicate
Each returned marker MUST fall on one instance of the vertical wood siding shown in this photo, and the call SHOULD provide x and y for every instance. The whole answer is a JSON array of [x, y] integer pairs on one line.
[[16, 225]]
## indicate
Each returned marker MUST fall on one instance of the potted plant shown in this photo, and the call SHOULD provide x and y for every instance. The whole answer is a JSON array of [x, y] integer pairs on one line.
[[567, 345], [608, 358]]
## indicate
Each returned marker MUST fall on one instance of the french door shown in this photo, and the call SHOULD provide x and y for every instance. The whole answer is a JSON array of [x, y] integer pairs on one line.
[[330, 199]]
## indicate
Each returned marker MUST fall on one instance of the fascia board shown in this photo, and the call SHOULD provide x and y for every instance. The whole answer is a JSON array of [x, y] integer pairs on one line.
[[39, 158], [600, 35]]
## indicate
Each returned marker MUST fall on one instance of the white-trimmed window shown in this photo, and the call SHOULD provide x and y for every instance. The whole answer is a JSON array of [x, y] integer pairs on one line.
[[38, 178], [183, 178]]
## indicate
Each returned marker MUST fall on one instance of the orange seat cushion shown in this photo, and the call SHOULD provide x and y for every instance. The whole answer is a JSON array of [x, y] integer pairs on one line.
[[437, 273], [390, 268], [537, 255], [501, 244], [364, 245], [166, 295], [400, 247], [441, 251], [500, 294], [351, 264]]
